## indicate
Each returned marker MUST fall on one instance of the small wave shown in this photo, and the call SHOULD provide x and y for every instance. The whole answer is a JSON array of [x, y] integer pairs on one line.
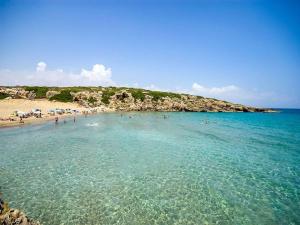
[[92, 124]]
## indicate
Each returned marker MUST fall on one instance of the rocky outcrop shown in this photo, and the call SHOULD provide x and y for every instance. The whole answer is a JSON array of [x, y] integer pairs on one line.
[[130, 99], [18, 93], [88, 99], [10, 216], [124, 101], [50, 94]]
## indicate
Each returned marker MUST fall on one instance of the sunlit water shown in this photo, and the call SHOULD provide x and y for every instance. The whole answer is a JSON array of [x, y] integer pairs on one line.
[[190, 168]]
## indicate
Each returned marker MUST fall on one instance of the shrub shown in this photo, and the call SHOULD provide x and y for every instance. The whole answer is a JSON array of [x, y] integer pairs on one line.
[[78, 89], [92, 100], [40, 92], [4, 95], [137, 94], [156, 95], [106, 94], [63, 96]]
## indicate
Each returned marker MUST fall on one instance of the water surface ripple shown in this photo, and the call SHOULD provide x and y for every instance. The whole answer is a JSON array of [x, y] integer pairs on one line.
[[191, 168]]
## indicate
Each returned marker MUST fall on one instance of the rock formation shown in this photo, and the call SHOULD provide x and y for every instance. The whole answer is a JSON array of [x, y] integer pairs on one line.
[[130, 99], [13, 216]]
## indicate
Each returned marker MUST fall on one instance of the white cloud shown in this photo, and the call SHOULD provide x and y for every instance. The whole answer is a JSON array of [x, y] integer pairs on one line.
[[99, 75], [229, 92], [41, 67], [152, 87], [199, 89], [236, 94]]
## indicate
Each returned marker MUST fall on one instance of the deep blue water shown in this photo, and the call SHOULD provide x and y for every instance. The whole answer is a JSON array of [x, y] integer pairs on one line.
[[191, 168]]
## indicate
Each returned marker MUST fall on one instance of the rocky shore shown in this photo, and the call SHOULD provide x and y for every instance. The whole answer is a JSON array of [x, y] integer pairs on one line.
[[9, 216], [126, 99]]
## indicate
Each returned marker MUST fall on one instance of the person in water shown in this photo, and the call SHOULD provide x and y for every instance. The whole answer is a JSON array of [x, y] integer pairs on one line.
[[56, 120], [74, 119]]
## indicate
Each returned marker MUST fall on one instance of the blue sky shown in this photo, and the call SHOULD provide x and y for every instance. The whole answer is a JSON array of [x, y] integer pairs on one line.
[[242, 51]]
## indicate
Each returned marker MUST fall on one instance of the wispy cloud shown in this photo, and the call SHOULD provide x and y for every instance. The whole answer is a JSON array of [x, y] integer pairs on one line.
[[237, 94], [153, 87], [233, 93], [214, 91]]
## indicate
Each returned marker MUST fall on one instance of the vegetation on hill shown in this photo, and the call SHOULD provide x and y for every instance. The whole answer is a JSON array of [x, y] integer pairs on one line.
[[39, 91], [92, 100], [126, 99], [137, 94], [106, 94], [157, 95], [63, 96], [4, 95]]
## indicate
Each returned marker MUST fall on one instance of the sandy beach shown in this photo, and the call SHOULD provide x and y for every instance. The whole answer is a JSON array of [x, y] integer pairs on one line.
[[8, 106]]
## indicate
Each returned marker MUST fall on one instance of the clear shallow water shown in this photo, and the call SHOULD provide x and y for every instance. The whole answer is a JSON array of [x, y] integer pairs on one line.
[[236, 168]]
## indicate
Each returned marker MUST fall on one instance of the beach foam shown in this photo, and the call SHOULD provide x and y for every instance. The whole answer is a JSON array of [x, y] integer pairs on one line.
[[92, 124]]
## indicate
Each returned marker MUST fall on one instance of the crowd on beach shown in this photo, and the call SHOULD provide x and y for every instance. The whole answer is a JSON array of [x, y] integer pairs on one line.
[[37, 113], [21, 117]]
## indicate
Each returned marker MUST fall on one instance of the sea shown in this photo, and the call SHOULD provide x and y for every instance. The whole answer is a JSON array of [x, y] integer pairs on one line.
[[156, 168]]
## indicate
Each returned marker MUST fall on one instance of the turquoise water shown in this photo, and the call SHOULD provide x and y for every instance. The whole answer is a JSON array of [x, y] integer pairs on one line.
[[191, 168]]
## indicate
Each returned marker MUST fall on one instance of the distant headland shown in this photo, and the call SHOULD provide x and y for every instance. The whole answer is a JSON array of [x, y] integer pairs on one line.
[[126, 99]]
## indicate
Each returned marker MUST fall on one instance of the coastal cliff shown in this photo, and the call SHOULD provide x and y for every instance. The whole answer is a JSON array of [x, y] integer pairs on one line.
[[10, 216], [126, 99]]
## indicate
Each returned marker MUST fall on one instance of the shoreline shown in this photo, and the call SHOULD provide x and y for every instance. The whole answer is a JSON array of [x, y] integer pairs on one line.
[[33, 120], [8, 107]]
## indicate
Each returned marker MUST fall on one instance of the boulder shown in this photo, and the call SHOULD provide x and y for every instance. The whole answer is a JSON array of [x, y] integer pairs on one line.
[[31, 95], [50, 94], [14, 216]]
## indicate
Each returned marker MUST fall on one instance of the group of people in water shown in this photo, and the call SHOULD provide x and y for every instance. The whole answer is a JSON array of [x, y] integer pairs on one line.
[[131, 116], [85, 115], [56, 120]]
